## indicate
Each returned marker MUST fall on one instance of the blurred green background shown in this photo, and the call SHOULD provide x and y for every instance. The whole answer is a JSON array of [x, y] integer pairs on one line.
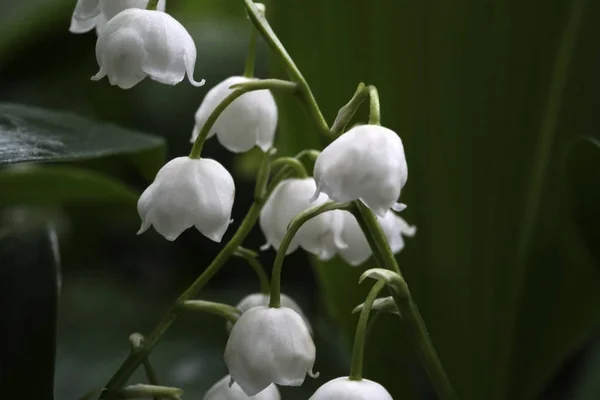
[[496, 102]]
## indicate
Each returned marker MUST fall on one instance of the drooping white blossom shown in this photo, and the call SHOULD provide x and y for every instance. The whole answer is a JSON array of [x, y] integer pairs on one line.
[[138, 43], [345, 389], [357, 249], [250, 120], [262, 299], [223, 391], [90, 14], [188, 192], [366, 163], [269, 345], [319, 235]]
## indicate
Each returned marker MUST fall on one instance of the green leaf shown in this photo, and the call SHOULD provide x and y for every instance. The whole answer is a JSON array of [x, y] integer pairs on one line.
[[30, 134], [29, 281], [487, 97], [59, 185]]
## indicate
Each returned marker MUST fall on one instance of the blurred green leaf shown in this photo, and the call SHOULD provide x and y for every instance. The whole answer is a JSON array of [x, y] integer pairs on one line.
[[29, 281], [487, 97], [33, 134], [59, 185]]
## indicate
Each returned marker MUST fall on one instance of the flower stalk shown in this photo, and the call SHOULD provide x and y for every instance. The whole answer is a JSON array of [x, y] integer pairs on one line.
[[294, 226], [358, 349], [251, 258]]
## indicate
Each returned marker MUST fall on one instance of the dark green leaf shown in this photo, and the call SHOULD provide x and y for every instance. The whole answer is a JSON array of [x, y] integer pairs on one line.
[[59, 185], [486, 97], [31, 134]]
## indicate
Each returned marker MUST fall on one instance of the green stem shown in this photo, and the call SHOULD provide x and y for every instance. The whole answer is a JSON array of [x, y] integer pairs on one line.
[[294, 226], [346, 113], [136, 341], [225, 311], [374, 109], [293, 164], [358, 350], [135, 359], [240, 89], [152, 4], [412, 321], [251, 258], [262, 25], [250, 59], [368, 218]]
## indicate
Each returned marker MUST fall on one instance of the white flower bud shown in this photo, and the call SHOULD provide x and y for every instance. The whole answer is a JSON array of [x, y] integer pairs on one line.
[[319, 235], [185, 193], [366, 163], [346, 389], [222, 391], [250, 120], [269, 345], [261, 299], [90, 14], [357, 249], [138, 43]]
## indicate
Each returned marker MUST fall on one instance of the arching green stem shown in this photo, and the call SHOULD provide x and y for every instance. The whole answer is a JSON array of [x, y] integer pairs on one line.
[[251, 258], [293, 164], [222, 310], [251, 57], [261, 23], [240, 89], [358, 350], [295, 225], [136, 340], [409, 314]]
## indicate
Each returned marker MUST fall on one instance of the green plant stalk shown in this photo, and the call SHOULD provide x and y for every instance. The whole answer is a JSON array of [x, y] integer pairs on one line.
[[346, 113], [410, 316], [251, 258], [222, 310], [136, 341], [293, 164], [358, 350], [262, 25], [152, 4], [374, 109], [240, 89], [294, 226], [135, 359], [537, 180], [250, 59]]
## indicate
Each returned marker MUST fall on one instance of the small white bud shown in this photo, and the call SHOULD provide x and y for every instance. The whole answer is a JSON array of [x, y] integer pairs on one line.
[[188, 192], [346, 389], [269, 345], [137, 43], [357, 249], [320, 235], [366, 163], [250, 120], [90, 14], [223, 391], [261, 299]]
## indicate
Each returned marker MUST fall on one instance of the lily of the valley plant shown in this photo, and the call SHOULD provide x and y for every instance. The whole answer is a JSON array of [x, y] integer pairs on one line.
[[347, 208]]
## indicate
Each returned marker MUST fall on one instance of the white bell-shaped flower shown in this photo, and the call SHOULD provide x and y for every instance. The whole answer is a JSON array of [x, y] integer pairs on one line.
[[357, 249], [188, 192], [262, 299], [90, 14], [269, 345], [345, 389], [319, 235], [137, 43], [250, 120], [223, 391], [366, 163]]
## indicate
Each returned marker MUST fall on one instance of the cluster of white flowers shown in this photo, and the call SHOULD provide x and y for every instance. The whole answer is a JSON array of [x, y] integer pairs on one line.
[[267, 345]]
